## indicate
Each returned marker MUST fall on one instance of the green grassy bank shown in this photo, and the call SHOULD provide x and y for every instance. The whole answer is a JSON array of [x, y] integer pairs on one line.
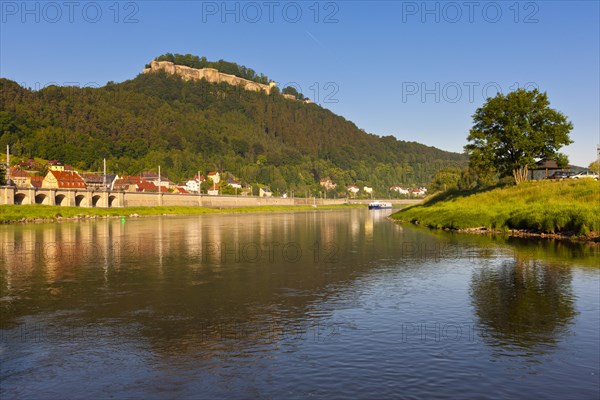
[[569, 207], [31, 213]]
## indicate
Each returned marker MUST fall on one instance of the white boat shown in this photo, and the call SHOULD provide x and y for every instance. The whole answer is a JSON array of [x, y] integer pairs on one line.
[[379, 205]]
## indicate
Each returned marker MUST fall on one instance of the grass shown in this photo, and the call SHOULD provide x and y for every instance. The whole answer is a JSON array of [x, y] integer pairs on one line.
[[17, 213], [569, 207]]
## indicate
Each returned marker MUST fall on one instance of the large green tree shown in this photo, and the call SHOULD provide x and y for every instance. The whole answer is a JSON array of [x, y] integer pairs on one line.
[[513, 131]]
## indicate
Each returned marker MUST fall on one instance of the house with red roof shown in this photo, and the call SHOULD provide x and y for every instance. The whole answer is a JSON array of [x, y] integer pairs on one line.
[[19, 177], [146, 186], [36, 181], [180, 190], [126, 183], [63, 180]]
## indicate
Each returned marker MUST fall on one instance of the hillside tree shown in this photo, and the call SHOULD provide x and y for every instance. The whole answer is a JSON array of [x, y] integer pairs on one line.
[[511, 132]]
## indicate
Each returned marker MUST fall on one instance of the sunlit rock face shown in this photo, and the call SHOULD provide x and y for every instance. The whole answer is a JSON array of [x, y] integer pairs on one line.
[[209, 74]]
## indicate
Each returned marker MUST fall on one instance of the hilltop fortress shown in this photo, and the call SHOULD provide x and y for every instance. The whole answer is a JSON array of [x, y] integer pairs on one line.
[[210, 74]]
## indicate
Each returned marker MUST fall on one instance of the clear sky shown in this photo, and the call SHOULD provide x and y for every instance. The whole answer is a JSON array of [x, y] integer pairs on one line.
[[415, 70]]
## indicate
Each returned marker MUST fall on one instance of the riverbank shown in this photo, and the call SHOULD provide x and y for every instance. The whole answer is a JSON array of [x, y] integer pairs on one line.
[[15, 214], [563, 209]]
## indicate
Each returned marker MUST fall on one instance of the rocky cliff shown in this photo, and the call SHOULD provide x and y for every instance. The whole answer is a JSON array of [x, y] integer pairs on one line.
[[210, 74]]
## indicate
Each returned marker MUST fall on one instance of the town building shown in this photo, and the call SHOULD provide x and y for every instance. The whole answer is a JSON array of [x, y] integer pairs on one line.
[[327, 183], [214, 176], [19, 177], [264, 192], [57, 179]]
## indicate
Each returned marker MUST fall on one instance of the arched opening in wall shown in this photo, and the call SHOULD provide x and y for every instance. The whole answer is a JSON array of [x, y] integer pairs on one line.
[[95, 200], [80, 201], [112, 201], [59, 199], [40, 199], [20, 198]]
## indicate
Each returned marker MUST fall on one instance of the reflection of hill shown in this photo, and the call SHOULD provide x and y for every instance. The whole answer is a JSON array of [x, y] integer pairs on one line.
[[194, 279], [523, 304]]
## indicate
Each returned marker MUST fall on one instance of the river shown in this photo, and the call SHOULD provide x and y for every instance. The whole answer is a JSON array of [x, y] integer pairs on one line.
[[318, 304]]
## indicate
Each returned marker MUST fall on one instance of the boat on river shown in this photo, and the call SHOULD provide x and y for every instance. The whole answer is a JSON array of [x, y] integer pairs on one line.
[[379, 205]]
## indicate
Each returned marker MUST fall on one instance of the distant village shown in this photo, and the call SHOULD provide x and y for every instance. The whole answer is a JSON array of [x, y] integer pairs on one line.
[[56, 175]]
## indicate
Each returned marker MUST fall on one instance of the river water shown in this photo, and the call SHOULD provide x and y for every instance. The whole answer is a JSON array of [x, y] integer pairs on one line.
[[336, 304]]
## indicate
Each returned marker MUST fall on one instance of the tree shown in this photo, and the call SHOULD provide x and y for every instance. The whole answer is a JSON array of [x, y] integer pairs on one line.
[[2, 175], [514, 130], [595, 166], [445, 179], [293, 91]]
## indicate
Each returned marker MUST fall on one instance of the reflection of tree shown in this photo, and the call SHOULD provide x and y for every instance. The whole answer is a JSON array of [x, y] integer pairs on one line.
[[523, 303]]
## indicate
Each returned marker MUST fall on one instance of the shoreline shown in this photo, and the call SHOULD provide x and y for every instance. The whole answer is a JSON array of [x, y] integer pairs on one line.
[[592, 238], [36, 214], [565, 210]]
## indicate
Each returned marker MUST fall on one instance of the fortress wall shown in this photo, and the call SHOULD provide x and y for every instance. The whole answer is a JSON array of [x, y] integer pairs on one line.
[[210, 74]]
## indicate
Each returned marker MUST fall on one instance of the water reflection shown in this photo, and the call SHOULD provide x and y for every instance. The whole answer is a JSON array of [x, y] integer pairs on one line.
[[263, 304], [524, 305]]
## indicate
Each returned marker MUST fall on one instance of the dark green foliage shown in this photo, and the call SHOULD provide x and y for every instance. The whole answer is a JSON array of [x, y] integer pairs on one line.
[[2, 175], [445, 179], [511, 132], [293, 92], [185, 127]]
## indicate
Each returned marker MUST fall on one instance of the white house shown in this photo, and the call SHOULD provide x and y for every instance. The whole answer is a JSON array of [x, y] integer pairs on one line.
[[214, 176], [419, 192], [192, 186], [368, 189], [264, 192], [234, 183], [353, 189], [399, 189]]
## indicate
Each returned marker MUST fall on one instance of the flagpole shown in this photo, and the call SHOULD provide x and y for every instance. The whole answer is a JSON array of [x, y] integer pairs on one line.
[[7, 165]]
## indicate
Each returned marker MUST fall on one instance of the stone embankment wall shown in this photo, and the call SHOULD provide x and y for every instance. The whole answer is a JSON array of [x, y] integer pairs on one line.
[[91, 198]]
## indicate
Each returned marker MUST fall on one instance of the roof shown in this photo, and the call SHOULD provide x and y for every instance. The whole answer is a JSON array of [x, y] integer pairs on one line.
[[121, 184], [212, 173], [36, 181], [92, 178], [126, 179], [16, 172], [145, 186], [543, 164], [68, 179]]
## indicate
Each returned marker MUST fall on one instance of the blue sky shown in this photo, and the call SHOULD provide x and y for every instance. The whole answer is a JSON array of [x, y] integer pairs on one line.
[[415, 70]]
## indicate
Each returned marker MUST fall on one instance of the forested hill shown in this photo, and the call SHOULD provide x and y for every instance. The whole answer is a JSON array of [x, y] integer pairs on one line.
[[192, 126]]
